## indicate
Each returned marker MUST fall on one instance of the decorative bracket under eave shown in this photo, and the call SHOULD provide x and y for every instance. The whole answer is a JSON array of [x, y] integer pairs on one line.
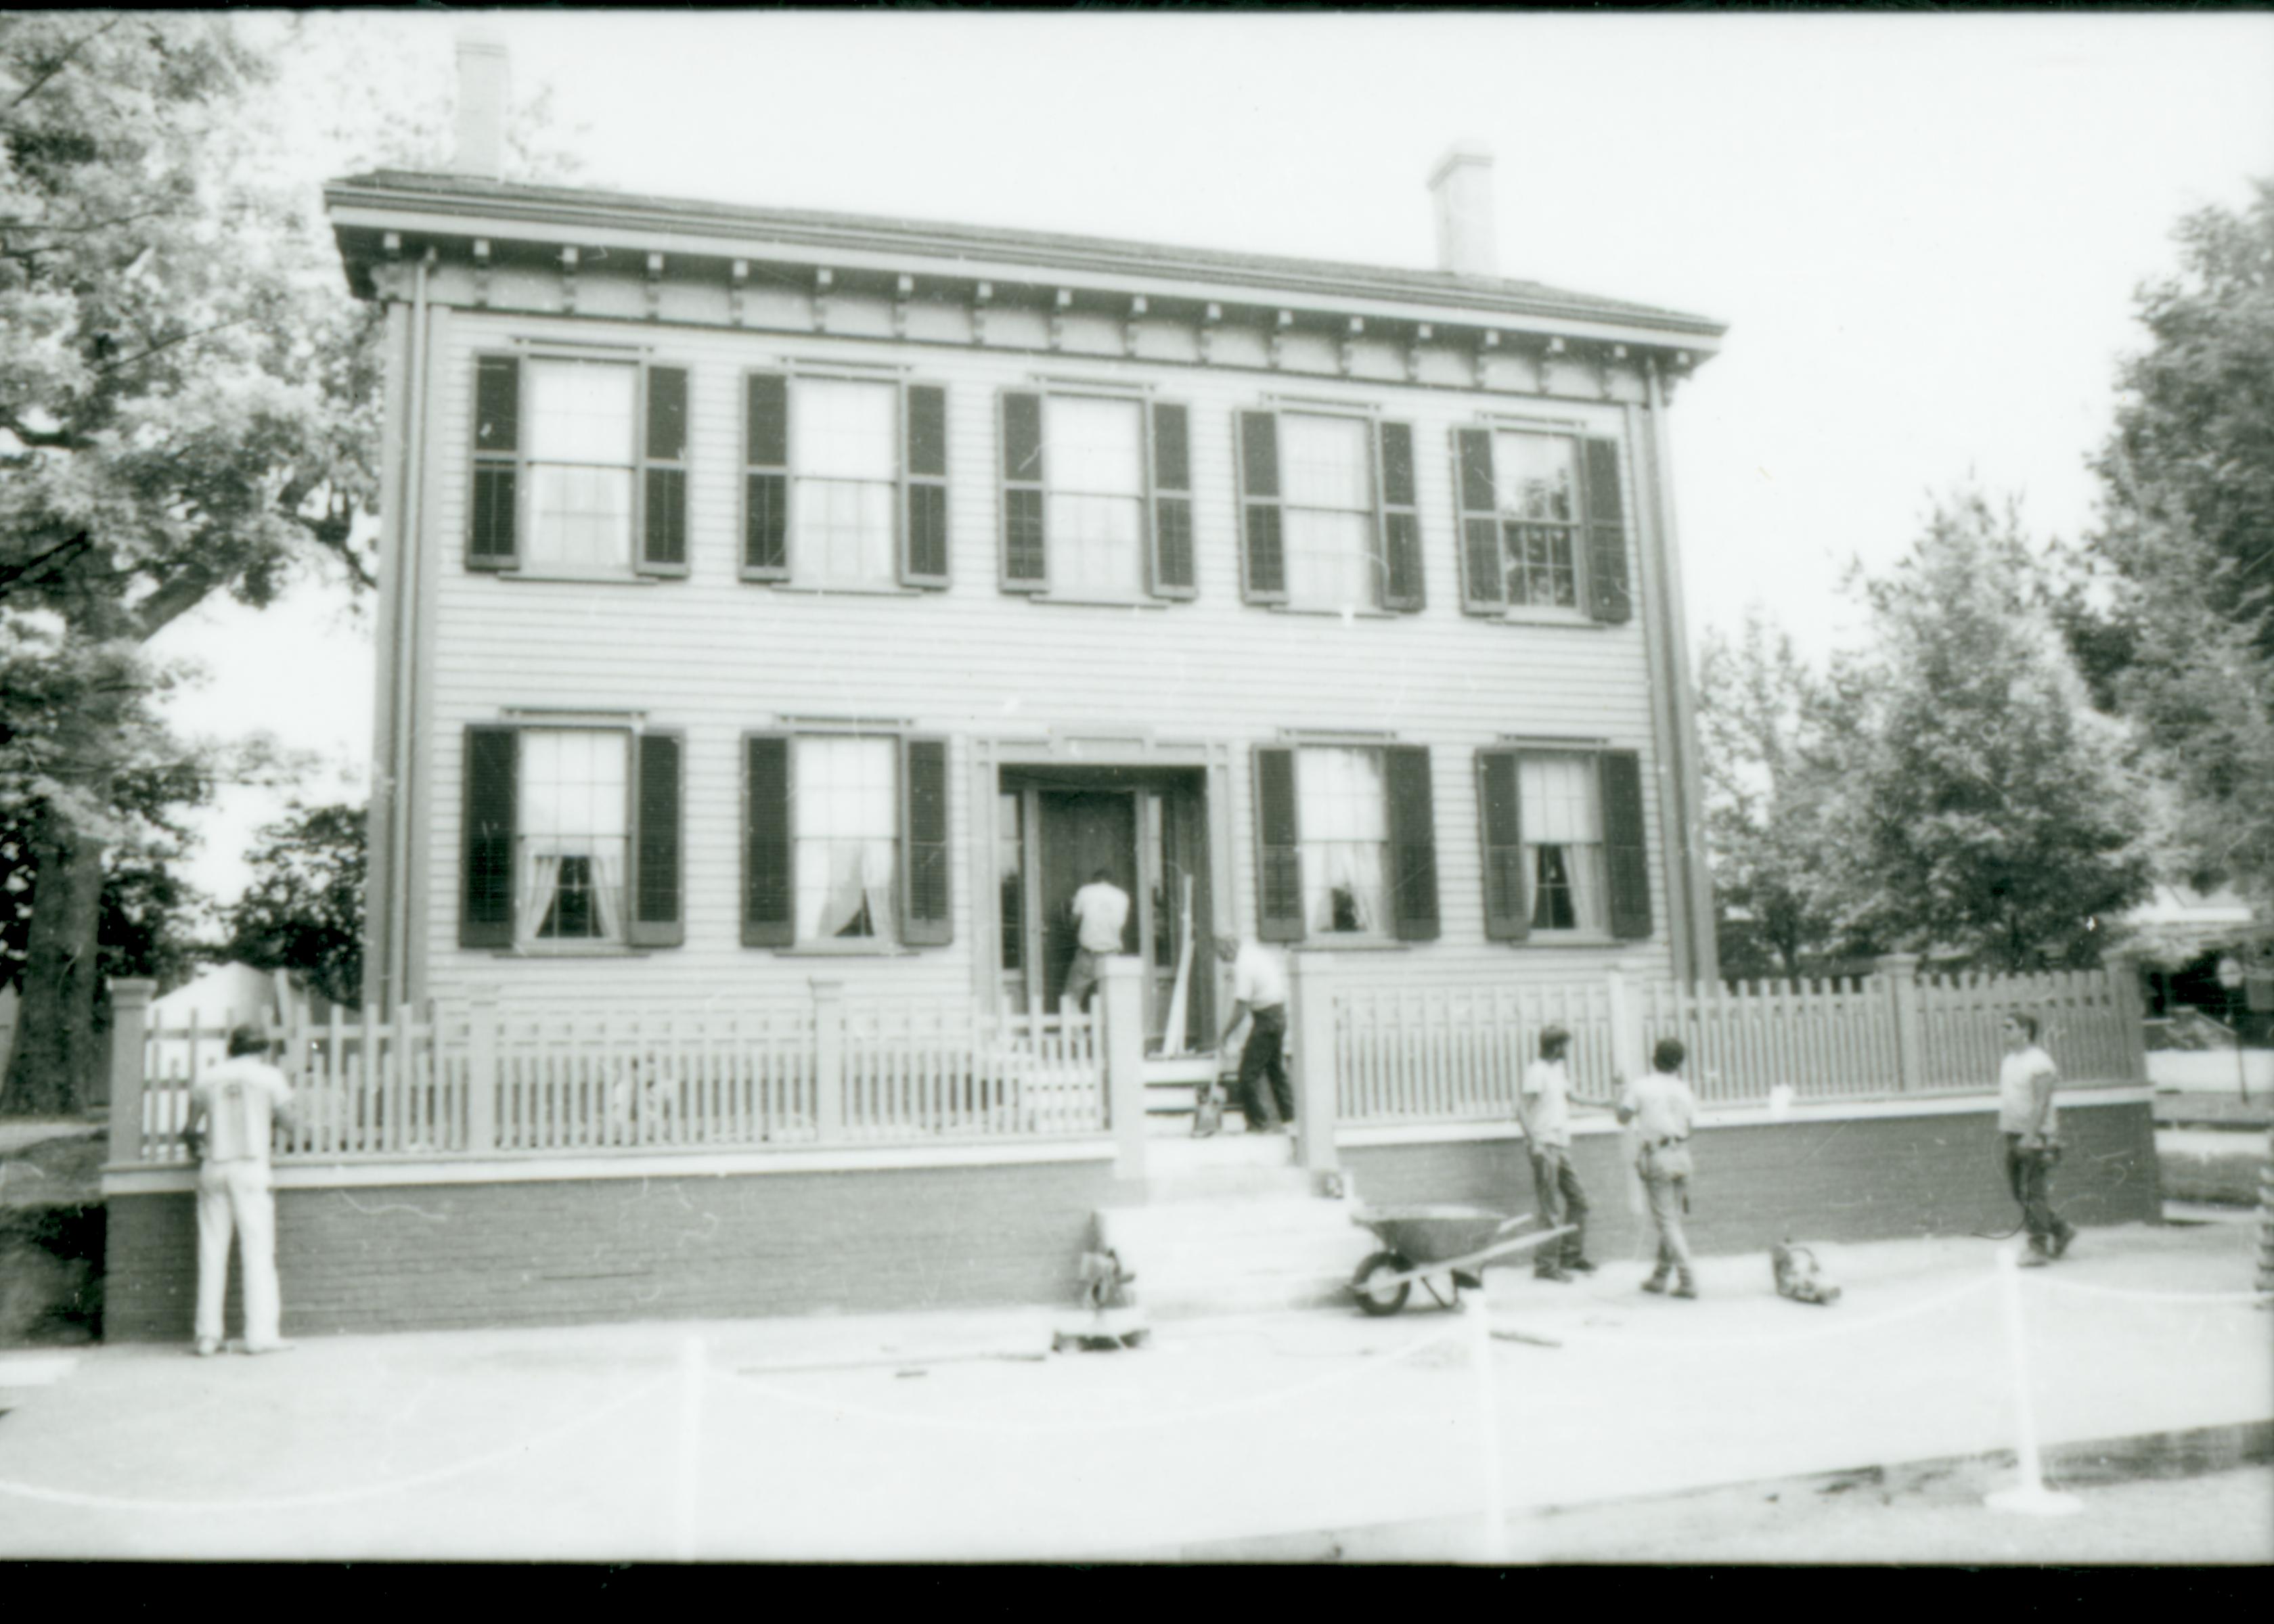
[[1480, 358], [1211, 324], [1421, 336], [982, 296], [481, 273], [738, 280], [1549, 352], [568, 281], [902, 290], [1060, 304], [1278, 341], [824, 279], [1607, 357], [1347, 356], [654, 286], [1131, 323]]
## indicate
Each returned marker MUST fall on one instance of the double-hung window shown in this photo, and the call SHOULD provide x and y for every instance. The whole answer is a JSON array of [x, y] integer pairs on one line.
[[1097, 497], [844, 482], [579, 466], [1328, 518], [1347, 845], [1543, 524], [1564, 844], [844, 840], [571, 837]]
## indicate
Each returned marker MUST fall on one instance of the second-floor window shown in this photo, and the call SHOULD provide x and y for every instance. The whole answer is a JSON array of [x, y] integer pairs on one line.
[[1097, 497], [1543, 525], [1328, 518], [844, 482], [579, 467]]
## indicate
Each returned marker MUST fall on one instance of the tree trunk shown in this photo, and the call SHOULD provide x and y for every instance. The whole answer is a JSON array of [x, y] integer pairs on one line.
[[57, 1048]]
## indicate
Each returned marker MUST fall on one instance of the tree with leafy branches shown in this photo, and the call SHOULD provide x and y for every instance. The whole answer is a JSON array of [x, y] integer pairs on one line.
[[303, 912], [1978, 807]]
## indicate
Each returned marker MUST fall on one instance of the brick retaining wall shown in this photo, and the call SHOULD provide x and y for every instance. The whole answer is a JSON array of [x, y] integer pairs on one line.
[[1847, 1179], [448, 1255]]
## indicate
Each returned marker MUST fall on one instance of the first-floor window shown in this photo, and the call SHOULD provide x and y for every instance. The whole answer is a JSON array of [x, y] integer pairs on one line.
[[1563, 841], [847, 837], [1345, 840], [573, 837]]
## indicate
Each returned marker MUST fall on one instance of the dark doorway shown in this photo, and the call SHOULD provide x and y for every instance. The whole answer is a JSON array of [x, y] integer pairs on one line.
[[1082, 832]]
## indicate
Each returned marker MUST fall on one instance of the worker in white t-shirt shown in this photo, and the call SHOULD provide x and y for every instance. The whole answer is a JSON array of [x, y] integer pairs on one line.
[[1544, 1106], [1101, 911], [1259, 994], [1664, 1111], [2026, 1117], [233, 1109]]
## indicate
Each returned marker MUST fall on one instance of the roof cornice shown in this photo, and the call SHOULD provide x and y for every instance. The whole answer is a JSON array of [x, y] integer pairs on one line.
[[454, 205]]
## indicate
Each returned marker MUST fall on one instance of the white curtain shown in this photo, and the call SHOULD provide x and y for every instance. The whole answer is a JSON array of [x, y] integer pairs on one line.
[[608, 890], [1345, 835], [1560, 797], [574, 789], [848, 835], [540, 875]]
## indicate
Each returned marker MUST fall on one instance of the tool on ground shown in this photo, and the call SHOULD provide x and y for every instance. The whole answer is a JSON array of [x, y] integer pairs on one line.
[[1110, 1317], [1798, 1275]]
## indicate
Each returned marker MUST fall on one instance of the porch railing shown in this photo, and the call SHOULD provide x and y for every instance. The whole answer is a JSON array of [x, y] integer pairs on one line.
[[443, 1080]]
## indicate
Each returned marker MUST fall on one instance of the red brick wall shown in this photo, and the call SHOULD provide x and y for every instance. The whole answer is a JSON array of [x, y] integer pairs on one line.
[[1855, 1179], [440, 1256]]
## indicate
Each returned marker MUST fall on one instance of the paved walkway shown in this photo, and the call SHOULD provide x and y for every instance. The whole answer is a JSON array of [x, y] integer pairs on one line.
[[958, 1436]]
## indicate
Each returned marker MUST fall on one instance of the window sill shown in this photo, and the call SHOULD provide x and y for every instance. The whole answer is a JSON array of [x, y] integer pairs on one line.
[[1552, 617], [849, 950], [570, 949], [1096, 603], [586, 577], [1346, 615], [847, 591], [1351, 944], [1574, 938]]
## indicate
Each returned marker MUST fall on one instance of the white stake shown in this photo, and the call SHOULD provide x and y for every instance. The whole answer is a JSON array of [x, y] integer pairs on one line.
[[1494, 1547], [2029, 1496], [690, 1440]]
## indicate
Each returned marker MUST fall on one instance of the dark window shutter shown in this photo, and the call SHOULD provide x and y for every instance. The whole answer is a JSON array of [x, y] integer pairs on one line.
[[663, 549], [1626, 856], [1609, 598], [925, 888], [1500, 816], [1026, 555], [923, 555], [1412, 842], [1278, 854], [658, 887], [1401, 523], [493, 505], [769, 891], [1264, 564], [1484, 582], [485, 911], [765, 479], [1172, 502]]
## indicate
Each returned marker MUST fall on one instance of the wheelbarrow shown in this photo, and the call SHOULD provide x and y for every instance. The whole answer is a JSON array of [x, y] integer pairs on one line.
[[1432, 1242]]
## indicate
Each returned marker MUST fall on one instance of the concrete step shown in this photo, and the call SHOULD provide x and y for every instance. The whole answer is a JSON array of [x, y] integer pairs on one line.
[[1237, 1254]]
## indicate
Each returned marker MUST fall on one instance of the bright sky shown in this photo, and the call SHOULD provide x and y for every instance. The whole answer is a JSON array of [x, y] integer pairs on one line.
[[1923, 232]]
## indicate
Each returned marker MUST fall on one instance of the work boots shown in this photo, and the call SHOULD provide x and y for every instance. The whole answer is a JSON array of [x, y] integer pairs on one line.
[[1685, 1286], [1657, 1280]]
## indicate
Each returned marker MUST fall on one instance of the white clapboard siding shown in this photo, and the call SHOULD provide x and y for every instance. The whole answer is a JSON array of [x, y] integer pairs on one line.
[[713, 656]]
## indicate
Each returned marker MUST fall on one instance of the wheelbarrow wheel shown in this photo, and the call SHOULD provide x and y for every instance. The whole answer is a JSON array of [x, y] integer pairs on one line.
[[1381, 1301]]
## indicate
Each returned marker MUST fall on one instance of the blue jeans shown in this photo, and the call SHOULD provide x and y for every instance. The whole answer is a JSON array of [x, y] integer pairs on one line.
[[2030, 1174], [1560, 1197], [1666, 1180]]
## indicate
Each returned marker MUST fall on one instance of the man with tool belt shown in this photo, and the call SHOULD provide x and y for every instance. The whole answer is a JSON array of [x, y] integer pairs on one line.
[[1543, 1105], [1663, 1110], [2026, 1117]]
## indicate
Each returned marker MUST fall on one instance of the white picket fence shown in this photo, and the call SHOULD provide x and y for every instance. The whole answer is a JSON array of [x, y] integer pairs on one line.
[[453, 1080]]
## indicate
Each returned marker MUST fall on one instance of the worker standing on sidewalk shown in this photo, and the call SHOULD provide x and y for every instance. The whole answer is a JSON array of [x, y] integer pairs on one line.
[[1543, 1105], [2026, 1117], [1664, 1110], [233, 1109]]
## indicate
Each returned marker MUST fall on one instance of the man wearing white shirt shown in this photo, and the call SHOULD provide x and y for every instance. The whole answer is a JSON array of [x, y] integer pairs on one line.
[[1259, 989], [233, 1110], [1101, 911], [1544, 1107], [2026, 1080]]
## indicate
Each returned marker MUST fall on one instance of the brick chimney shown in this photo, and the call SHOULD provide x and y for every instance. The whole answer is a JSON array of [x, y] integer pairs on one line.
[[481, 107], [1462, 186]]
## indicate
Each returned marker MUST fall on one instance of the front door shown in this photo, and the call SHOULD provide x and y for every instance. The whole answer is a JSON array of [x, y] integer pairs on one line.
[[1082, 832]]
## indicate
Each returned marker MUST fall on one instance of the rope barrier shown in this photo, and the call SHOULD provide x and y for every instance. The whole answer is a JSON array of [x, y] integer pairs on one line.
[[2040, 1279], [336, 1497], [1836, 1326]]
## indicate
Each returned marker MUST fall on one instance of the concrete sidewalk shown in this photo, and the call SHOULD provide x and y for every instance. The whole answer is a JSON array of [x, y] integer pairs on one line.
[[957, 1436]]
